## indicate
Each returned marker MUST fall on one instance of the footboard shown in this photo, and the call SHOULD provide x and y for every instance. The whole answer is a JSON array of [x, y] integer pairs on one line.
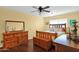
[[44, 39]]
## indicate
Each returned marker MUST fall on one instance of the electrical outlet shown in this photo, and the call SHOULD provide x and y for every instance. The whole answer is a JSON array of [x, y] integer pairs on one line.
[[1, 41]]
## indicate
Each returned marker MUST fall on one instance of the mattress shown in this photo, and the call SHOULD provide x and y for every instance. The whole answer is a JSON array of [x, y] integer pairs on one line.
[[58, 33]]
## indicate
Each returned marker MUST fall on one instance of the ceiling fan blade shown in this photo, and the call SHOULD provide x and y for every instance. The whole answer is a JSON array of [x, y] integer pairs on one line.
[[35, 7], [46, 7], [46, 11], [34, 11]]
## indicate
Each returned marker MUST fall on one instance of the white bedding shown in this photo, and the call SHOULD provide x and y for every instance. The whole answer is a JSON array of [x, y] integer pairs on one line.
[[59, 33]]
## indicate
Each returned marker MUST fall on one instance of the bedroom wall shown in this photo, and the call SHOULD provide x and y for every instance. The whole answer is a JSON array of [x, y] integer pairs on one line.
[[72, 15], [32, 23]]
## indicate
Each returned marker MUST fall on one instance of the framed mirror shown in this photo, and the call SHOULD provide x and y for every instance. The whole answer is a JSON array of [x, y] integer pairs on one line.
[[14, 25]]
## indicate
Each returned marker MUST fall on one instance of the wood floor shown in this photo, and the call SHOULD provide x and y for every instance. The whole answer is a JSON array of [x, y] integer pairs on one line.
[[26, 48]]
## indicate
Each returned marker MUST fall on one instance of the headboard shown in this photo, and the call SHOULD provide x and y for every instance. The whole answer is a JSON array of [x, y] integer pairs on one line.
[[56, 26]]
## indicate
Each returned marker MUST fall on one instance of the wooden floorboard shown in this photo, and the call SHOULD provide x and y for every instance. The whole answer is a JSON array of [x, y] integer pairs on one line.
[[26, 48]]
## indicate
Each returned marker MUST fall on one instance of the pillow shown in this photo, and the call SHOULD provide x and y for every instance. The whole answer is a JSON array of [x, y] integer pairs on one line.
[[60, 30], [63, 30]]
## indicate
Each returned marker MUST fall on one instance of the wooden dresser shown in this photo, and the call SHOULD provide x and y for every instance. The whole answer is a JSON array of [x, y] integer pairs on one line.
[[15, 38]]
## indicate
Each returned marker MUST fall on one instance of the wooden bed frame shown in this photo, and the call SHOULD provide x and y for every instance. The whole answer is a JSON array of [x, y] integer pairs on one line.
[[44, 39]]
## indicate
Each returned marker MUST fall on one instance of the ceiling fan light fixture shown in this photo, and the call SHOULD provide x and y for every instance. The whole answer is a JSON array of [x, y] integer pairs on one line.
[[41, 9]]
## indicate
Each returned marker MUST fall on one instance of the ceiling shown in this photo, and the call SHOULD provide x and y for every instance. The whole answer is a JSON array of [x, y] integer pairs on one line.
[[55, 10]]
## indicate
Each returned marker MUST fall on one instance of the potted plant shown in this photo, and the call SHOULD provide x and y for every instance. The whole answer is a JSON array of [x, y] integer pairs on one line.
[[74, 29]]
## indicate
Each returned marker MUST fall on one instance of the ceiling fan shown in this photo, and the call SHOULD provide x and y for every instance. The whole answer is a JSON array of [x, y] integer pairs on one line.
[[41, 9]]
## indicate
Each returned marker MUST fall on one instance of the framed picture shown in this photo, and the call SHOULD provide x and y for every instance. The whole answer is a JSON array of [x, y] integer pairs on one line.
[[14, 25]]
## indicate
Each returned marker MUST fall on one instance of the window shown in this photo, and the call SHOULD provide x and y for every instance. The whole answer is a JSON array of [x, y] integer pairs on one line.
[[58, 21]]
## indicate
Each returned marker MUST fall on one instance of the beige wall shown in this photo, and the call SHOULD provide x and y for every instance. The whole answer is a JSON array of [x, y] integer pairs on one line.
[[32, 23], [73, 15]]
